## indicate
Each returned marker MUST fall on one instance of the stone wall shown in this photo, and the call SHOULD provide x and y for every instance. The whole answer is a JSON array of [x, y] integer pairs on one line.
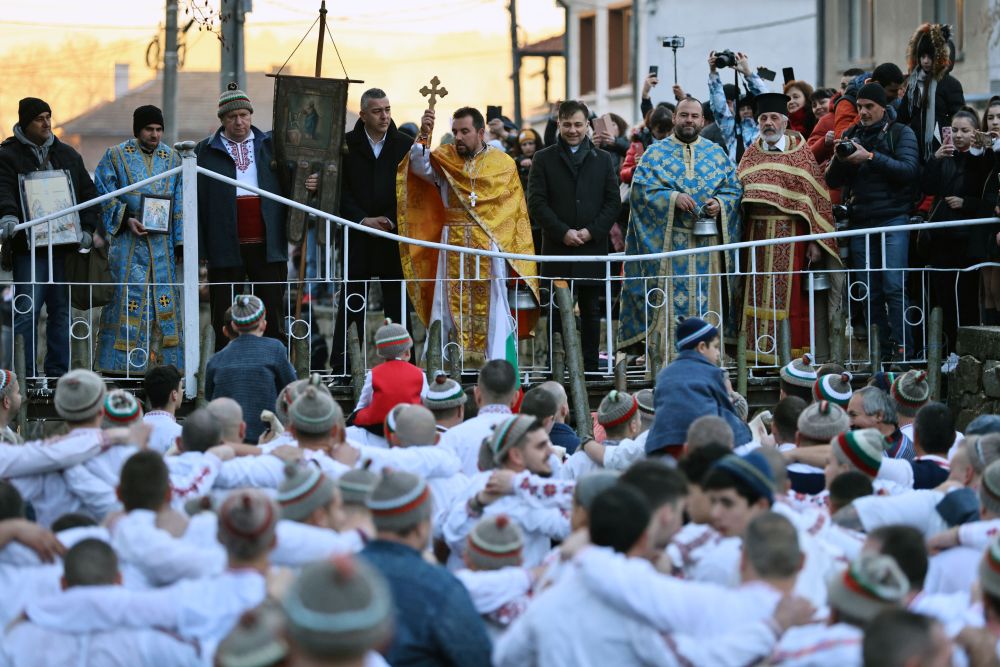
[[974, 385]]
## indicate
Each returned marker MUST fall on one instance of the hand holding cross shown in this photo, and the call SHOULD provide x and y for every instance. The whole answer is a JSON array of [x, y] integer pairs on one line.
[[433, 92]]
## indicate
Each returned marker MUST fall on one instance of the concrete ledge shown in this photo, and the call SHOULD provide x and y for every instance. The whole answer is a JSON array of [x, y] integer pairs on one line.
[[980, 342]]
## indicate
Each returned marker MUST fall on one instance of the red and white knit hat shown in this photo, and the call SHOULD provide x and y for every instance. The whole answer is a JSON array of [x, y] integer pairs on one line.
[[495, 542], [121, 409], [834, 387]]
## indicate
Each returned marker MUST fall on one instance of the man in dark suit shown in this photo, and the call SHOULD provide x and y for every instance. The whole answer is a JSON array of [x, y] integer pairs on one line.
[[573, 195], [368, 195]]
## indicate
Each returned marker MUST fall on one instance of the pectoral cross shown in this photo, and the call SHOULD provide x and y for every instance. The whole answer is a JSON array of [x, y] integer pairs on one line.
[[472, 199], [433, 92]]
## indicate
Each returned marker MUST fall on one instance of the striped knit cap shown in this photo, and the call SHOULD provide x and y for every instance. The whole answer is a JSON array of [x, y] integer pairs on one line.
[[693, 330], [870, 584], [799, 372], [443, 393], [339, 609], [256, 641], [247, 520], [400, 501], [862, 450], [506, 434], [753, 469], [6, 378], [989, 486], [616, 408], [247, 311], [989, 569], [314, 412], [121, 409], [835, 387], [304, 490], [495, 542], [822, 421], [292, 391], [646, 401], [356, 486], [911, 390], [79, 395], [392, 340], [232, 98]]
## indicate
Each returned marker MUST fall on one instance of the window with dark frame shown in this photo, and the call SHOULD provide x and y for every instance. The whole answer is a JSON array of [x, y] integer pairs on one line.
[[859, 33], [619, 46], [587, 52]]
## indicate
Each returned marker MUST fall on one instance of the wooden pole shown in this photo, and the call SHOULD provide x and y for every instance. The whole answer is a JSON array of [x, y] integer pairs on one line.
[[432, 351], [207, 345], [934, 352], [322, 34], [300, 350], [357, 361], [19, 367], [784, 343], [574, 360], [837, 326], [875, 349], [741, 364], [558, 354], [621, 379]]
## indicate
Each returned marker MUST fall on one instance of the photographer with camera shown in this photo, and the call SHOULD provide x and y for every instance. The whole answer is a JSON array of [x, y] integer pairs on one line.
[[724, 106], [876, 164]]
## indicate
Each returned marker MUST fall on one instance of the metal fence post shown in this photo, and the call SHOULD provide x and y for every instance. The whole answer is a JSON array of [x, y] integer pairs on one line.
[[192, 351]]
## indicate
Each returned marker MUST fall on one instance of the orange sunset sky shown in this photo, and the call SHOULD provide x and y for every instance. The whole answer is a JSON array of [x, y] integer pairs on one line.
[[64, 51]]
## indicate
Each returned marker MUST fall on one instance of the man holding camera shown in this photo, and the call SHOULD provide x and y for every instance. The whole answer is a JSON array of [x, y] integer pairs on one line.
[[738, 132], [876, 163]]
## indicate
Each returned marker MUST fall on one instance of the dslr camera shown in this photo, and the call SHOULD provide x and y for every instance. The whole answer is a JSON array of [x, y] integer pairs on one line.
[[725, 59], [845, 148]]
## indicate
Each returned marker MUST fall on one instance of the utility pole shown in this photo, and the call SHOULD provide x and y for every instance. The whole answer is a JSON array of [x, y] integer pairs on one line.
[[231, 68], [516, 53], [170, 76]]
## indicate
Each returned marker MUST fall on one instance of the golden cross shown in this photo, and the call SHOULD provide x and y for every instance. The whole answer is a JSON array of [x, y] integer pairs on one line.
[[433, 92]]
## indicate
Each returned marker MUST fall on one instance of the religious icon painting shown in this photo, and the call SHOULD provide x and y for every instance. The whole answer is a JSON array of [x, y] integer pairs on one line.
[[44, 193], [155, 215]]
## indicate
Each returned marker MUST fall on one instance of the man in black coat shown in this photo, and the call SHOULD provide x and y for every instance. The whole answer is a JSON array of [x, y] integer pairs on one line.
[[241, 234], [34, 148], [573, 195], [368, 195]]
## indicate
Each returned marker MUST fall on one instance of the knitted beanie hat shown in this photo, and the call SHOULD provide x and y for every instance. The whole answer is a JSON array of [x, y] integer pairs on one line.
[[292, 391], [753, 469], [861, 450], [399, 501], [304, 490], [256, 641], [989, 486], [799, 372], [339, 608], [392, 340], [356, 486], [247, 520], [232, 98], [692, 331], [989, 569], [873, 91], [443, 393], [616, 408], [6, 378], [911, 389], [835, 387], [412, 425], [506, 434], [146, 115], [247, 311], [30, 108], [591, 484], [646, 401], [314, 412], [822, 421], [121, 409], [867, 586], [495, 542], [79, 395]]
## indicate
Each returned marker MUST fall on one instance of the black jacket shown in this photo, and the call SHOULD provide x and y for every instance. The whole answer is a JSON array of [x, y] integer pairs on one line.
[[561, 198], [16, 158], [973, 178], [218, 239], [948, 98], [885, 186], [367, 190]]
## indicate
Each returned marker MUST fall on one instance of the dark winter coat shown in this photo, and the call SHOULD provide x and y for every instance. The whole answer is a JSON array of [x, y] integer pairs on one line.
[[17, 158], [563, 196], [973, 178], [368, 190], [218, 238], [948, 99]]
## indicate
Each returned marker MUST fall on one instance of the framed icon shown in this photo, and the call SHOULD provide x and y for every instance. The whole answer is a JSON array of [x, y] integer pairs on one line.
[[155, 214], [44, 193]]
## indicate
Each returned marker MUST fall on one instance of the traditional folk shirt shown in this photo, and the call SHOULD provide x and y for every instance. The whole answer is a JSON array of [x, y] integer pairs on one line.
[[146, 297], [165, 432], [670, 168], [809, 645], [477, 203], [500, 596], [465, 438]]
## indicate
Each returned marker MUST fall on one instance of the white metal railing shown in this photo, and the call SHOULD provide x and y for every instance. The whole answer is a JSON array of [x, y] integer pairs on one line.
[[190, 284]]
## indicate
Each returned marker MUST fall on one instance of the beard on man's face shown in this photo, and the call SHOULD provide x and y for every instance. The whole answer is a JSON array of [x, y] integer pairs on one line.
[[687, 131]]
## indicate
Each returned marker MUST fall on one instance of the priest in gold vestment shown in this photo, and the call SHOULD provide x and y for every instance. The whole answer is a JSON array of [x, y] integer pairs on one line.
[[465, 194]]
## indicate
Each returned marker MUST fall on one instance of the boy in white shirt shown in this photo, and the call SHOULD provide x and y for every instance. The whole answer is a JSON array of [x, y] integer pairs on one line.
[[164, 387]]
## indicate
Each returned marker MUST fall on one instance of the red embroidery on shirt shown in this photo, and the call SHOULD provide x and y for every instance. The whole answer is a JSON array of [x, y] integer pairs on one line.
[[549, 490], [205, 472], [242, 153]]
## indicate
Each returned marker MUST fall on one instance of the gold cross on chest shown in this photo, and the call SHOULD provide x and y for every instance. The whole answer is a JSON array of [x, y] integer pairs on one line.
[[433, 92]]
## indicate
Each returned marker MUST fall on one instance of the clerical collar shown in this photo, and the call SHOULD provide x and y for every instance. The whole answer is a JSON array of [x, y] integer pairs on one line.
[[482, 150]]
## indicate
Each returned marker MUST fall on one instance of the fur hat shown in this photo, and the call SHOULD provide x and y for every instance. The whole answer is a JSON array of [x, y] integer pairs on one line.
[[869, 585], [247, 311], [911, 390], [399, 501], [121, 409], [356, 486], [304, 490], [392, 340], [30, 108], [314, 412], [835, 387], [256, 641], [616, 408], [495, 542], [232, 98], [646, 401], [822, 421], [861, 450], [931, 39], [799, 372], [247, 521], [146, 115], [505, 435], [753, 469], [693, 330], [339, 608], [443, 393], [79, 395]]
